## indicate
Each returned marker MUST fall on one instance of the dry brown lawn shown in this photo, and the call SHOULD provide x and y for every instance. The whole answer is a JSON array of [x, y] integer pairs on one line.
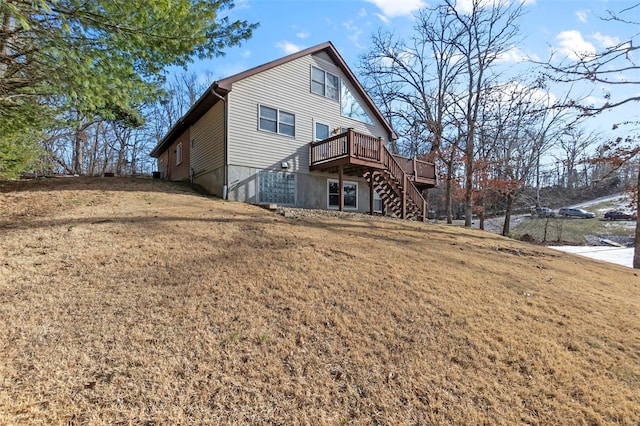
[[142, 302]]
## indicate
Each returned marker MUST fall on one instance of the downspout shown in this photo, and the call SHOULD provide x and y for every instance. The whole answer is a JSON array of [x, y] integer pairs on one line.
[[225, 185]]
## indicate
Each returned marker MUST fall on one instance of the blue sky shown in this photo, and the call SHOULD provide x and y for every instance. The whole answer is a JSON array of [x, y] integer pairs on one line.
[[561, 26]]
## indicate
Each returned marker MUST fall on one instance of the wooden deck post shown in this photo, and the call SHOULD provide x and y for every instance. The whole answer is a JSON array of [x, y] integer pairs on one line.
[[380, 145], [341, 188], [425, 212], [371, 192], [404, 195]]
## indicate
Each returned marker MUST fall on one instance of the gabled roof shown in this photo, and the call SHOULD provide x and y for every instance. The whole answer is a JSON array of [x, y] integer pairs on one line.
[[220, 88]]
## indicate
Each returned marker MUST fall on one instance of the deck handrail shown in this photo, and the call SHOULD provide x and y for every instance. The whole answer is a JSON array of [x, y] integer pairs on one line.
[[416, 168], [329, 149], [349, 143]]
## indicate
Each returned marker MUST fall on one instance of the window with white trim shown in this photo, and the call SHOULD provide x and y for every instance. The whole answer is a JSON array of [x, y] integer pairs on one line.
[[321, 131], [276, 121], [179, 154], [377, 202], [325, 84], [350, 196]]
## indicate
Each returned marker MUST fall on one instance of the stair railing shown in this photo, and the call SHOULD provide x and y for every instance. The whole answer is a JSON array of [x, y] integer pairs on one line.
[[409, 189]]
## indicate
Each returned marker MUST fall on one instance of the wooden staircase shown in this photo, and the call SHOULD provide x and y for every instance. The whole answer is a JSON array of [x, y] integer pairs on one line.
[[397, 191]]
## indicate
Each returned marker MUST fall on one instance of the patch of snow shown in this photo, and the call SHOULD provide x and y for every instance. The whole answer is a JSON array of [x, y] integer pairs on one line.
[[617, 255]]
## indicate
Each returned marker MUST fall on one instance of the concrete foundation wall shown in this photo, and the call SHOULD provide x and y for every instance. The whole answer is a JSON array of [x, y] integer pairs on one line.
[[311, 189], [212, 181]]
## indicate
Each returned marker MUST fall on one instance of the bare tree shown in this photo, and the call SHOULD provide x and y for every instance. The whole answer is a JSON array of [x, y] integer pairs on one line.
[[613, 67], [489, 31], [574, 141], [412, 79]]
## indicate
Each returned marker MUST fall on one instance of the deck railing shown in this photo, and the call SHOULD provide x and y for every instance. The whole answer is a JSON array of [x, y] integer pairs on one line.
[[416, 168], [349, 143]]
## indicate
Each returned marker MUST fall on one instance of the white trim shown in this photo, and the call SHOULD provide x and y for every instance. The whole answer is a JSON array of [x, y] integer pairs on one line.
[[324, 83], [278, 111], [376, 197], [346, 182]]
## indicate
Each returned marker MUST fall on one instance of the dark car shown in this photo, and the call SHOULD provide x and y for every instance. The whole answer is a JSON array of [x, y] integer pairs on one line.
[[543, 212], [618, 215], [569, 212]]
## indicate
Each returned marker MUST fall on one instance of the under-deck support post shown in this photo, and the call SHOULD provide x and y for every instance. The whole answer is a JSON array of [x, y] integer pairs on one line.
[[371, 191], [425, 212], [341, 188], [404, 195]]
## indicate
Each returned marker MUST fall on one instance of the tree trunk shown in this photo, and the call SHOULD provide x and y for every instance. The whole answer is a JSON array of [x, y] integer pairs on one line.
[[468, 193], [482, 212], [448, 195], [77, 152], [636, 251], [506, 227]]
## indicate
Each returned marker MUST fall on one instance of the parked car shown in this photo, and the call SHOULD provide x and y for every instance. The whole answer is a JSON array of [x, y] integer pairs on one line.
[[618, 215], [568, 212], [543, 212]]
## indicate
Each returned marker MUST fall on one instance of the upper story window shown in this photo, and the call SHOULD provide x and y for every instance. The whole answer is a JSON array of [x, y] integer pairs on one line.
[[350, 107], [321, 131], [325, 84], [277, 121]]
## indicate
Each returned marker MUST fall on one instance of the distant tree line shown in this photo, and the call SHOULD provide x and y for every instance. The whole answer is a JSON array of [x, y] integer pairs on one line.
[[81, 76], [495, 135]]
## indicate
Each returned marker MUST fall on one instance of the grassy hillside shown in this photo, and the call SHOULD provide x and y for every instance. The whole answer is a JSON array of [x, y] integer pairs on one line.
[[138, 301]]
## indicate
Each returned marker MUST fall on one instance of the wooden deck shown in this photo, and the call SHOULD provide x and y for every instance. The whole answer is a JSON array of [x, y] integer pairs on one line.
[[358, 153], [398, 180]]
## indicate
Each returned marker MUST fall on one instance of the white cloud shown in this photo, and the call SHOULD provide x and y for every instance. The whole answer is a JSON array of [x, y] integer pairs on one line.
[[594, 100], [288, 47], [246, 53], [395, 8], [513, 55], [362, 13], [583, 15], [574, 46], [537, 96], [606, 41], [302, 34], [241, 4], [354, 33], [330, 24], [382, 18], [466, 6]]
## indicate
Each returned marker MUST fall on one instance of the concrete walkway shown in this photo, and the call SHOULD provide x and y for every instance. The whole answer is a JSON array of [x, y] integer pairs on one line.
[[617, 255]]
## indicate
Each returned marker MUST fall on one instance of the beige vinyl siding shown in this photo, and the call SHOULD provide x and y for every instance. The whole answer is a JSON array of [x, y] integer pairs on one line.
[[287, 88], [208, 132]]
